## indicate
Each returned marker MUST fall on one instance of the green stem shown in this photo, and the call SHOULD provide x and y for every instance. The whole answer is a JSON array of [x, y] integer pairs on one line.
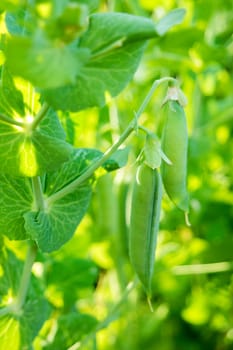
[[5, 310], [38, 193], [151, 92], [203, 268], [25, 279], [40, 115], [145, 130], [16, 307], [110, 317], [32, 249], [8, 120], [92, 168]]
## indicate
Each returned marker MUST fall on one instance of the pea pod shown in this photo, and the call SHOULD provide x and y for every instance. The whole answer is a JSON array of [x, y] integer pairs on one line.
[[144, 223], [175, 146]]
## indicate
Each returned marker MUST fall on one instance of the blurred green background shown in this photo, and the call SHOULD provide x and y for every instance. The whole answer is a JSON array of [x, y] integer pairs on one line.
[[193, 282]]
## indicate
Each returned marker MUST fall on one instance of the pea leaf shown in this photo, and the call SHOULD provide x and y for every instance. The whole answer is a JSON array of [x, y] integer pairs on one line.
[[15, 199], [82, 273], [18, 329], [10, 333], [11, 271], [76, 76], [10, 97], [20, 21], [44, 63], [18, 332], [117, 160], [71, 329], [55, 227], [80, 160], [92, 4], [8, 5], [172, 18], [32, 154], [116, 42]]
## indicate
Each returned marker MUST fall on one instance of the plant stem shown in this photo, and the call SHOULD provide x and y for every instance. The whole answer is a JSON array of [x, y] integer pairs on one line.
[[38, 193], [25, 279], [40, 115], [92, 168], [203, 268], [152, 90], [8, 120], [16, 307], [5, 310], [110, 317], [32, 249], [145, 130]]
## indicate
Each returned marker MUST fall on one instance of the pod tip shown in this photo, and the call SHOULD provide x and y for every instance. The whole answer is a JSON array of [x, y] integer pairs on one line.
[[187, 221], [149, 303]]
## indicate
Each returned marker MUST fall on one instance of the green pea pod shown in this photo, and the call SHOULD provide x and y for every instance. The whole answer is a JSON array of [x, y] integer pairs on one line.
[[144, 223], [175, 146]]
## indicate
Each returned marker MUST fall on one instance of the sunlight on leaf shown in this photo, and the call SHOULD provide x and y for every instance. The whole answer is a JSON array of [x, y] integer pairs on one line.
[[9, 333], [27, 159]]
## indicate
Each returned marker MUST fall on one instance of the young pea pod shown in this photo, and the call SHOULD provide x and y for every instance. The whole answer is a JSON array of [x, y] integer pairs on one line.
[[144, 223], [175, 146]]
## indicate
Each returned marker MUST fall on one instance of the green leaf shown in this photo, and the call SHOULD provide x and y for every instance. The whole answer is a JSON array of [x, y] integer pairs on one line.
[[172, 18], [18, 332], [51, 125], [19, 328], [32, 153], [58, 221], [10, 97], [116, 42], [15, 199], [80, 160], [83, 273], [117, 160], [9, 5], [56, 224], [44, 63], [92, 4], [58, 7], [20, 21], [35, 312], [9, 333], [11, 271], [71, 329], [115, 29], [55, 227]]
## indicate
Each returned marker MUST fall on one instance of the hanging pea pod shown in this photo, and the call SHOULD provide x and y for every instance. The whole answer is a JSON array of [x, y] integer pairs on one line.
[[175, 146], [144, 223]]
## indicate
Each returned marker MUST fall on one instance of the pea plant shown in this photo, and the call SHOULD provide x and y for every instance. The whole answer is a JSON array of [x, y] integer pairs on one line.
[[60, 57]]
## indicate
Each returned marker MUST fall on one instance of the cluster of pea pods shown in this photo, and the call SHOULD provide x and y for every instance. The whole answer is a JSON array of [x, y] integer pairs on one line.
[[170, 173]]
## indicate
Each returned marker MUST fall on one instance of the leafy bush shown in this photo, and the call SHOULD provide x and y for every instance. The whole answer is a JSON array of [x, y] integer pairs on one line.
[[77, 108]]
